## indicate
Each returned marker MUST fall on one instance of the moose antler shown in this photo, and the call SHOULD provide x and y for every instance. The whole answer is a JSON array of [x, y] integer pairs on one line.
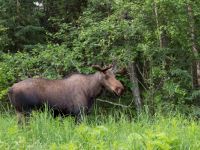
[[97, 67]]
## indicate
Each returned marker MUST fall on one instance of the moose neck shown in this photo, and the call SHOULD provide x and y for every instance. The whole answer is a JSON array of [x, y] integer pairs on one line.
[[94, 85]]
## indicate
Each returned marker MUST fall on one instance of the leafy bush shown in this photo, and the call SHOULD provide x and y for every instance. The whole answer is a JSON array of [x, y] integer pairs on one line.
[[51, 61]]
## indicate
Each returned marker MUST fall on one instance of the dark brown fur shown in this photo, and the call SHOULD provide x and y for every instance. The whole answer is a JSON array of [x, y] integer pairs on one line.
[[66, 96]]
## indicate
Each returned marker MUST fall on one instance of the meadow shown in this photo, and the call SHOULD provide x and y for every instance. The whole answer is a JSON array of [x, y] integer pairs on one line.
[[116, 131]]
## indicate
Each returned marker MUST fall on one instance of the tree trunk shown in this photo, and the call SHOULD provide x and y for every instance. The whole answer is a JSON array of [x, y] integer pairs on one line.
[[135, 89], [158, 25], [18, 6], [195, 63]]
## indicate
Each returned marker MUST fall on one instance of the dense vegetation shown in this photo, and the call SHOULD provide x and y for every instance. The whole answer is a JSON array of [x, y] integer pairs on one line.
[[115, 131], [156, 41]]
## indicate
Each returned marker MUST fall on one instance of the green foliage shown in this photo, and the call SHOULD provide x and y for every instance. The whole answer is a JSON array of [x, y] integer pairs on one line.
[[110, 132], [4, 40], [50, 61], [22, 21]]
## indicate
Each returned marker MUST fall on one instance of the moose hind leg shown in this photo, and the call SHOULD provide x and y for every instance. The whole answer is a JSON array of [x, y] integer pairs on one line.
[[23, 117], [27, 116], [20, 117]]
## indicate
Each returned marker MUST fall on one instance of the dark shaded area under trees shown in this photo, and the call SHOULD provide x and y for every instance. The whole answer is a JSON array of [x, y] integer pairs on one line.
[[156, 41]]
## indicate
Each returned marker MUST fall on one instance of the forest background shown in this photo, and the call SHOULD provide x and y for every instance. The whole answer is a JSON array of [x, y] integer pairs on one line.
[[157, 42]]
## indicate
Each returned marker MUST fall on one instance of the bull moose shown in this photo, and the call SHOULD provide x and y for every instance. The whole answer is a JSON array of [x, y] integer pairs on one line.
[[73, 95]]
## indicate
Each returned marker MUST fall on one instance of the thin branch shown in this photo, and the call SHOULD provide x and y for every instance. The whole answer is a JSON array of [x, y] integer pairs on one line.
[[146, 89], [159, 85], [77, 68], [140, 71], [140, 83], [116, 104]]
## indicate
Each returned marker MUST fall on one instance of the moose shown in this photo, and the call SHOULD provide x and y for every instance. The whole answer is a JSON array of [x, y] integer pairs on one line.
[[73, 95]]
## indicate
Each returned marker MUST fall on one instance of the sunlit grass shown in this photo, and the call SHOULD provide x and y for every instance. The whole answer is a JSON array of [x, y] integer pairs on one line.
[[114, 131]]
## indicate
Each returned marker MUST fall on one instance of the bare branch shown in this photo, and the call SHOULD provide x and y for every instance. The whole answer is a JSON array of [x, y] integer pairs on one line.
[[116, 104]]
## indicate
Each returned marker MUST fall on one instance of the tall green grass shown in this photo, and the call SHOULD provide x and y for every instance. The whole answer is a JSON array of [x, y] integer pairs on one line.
[[100, 131]]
